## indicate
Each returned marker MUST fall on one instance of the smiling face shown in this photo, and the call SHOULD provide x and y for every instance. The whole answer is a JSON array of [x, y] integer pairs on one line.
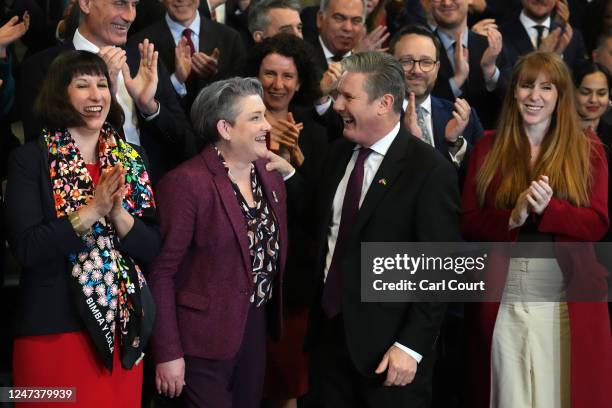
[[450, 14], [90, 96], [341, 25], [538, 10], [247, 137], [358, 113], [417, 47], [107, 22], [536, 100], [592, 96], [279, 78], [182, 11]]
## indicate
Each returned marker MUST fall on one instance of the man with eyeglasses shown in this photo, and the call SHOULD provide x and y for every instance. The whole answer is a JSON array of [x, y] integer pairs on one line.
[[449, 127], [472, 66]]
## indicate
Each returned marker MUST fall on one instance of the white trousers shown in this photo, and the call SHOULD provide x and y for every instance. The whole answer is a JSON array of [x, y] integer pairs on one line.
[[530, 354]]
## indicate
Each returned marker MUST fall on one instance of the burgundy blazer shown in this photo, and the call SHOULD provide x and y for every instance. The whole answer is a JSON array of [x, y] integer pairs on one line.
[[202, 279]]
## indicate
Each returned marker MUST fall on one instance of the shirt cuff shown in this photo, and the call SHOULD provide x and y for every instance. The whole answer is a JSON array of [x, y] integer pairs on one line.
[[411, 352], [153, 115], [324, 107], [491, 83], [180, 88], [457, 158], [288, 176], [456, 90]]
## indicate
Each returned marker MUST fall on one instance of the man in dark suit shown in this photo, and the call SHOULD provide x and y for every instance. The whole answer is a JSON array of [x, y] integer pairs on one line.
[[539, 27], [472, 67], [340, 24], [452, 128], [384, 185], [153, 117], [206, 53]]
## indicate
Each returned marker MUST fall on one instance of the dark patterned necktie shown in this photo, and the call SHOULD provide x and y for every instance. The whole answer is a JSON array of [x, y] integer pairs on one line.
[[332, 291], [187, 34]]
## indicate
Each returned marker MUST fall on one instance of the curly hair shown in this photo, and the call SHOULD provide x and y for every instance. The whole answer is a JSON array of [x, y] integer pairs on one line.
[[301, 52]]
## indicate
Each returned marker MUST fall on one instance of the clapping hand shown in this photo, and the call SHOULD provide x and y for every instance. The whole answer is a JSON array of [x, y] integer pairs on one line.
[[487, 62], [411, 120], [205, 66], [115, 58], [373, 40], [483, 26], [330, 78], [539, 195], [109, 191], [558, 39], [143, 86], [462, 66], [182, 65], [461, 118], [12, 31]]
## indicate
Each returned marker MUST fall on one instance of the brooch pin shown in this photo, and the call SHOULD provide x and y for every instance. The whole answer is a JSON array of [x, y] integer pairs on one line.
[[274, 196], [382, 181]]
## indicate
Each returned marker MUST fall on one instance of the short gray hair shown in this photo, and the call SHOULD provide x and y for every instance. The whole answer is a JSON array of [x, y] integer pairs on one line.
[[325, 3], [258, 12], [218, 101], [384, 75]]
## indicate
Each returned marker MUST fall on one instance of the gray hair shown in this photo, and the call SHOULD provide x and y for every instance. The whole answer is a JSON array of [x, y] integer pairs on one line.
[[258, 12], [384, 75], [218, 101], [325, 4]]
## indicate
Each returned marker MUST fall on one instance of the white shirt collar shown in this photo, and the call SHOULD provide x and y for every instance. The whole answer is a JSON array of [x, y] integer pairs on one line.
[[83, 44], [382, 145], [177, 29], [328, 54], [528, 23], [425, 105], [448, 41]]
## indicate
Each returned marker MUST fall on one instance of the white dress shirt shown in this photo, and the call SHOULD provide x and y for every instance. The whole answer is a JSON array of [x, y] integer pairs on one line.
[[370, 167], [176, 29], [130, 125], [529, 25]]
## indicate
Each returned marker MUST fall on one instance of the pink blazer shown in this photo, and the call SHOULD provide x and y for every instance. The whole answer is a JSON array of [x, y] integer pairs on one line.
[[202, 279]]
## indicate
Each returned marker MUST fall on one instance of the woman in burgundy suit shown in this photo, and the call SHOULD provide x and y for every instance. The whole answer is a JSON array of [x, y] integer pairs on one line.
[[540, 178], [218, 279]]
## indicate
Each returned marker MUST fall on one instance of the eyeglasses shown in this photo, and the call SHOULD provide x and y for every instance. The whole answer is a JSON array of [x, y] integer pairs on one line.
[[425, 65]]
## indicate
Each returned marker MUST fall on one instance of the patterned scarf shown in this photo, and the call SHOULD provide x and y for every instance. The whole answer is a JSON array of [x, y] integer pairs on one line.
[[107, 285]]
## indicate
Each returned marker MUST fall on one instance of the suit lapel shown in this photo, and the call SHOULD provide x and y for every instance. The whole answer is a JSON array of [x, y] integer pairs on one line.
[[391, 167], [439, 119], [521, 39], [230, 202], [166, 46]]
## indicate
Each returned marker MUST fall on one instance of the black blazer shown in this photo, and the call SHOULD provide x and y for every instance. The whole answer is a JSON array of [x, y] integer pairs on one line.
[[212, 35], [474, 89], [298, 282], [419, 202], [41, 243], [168, 139], [517, 43]]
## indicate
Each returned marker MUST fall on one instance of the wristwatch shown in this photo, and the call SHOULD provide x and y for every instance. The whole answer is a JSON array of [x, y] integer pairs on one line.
[[457, 143]]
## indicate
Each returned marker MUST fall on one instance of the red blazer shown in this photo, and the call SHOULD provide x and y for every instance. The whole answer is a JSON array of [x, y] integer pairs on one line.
[[591, 344], [202, 279]]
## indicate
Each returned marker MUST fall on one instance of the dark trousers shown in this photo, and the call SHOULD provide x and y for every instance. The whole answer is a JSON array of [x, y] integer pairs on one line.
[[234, 383], [338, 384]]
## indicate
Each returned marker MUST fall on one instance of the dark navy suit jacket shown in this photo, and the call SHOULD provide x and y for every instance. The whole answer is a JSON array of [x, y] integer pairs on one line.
[[517, 43]]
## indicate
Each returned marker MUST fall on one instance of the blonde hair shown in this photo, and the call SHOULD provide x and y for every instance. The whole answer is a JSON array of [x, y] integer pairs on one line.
[[565, 153]]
